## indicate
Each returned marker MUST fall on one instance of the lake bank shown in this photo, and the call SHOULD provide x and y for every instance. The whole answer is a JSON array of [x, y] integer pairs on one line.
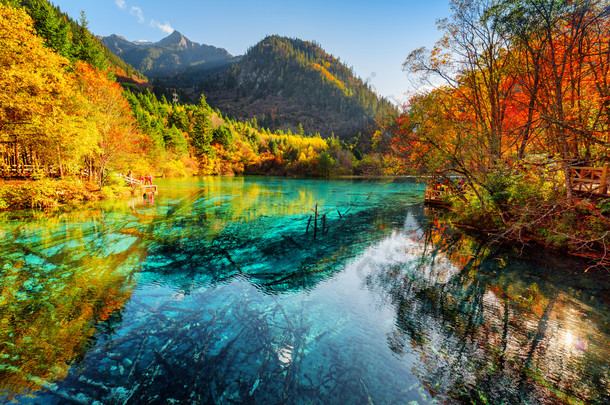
[[54, 193], [582, 229]]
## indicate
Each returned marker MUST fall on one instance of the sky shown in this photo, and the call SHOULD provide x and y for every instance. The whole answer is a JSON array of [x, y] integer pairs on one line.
[[373, 37]]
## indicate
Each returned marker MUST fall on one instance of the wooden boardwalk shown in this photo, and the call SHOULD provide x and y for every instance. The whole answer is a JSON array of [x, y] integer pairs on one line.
[[139, 183], [594, 181], [433, 195], [591, 180]]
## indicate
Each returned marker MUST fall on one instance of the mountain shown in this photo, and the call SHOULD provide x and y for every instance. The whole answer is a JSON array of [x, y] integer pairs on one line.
[[169, 57], [117, 44], [284, 82], [73, 40]]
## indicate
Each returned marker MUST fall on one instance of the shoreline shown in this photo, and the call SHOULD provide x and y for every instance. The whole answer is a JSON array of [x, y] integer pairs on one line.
[[527, 239], [50, 194]]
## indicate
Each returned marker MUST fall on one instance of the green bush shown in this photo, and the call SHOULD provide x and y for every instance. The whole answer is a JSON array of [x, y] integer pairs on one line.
[[528, 189], [497, 186], [114, 180], [114, 190], [326, 163], [38, 174], [368, 166], [604, 207]]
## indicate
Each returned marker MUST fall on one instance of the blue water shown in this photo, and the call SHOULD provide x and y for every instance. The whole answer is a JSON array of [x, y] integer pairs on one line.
[[228, 290]]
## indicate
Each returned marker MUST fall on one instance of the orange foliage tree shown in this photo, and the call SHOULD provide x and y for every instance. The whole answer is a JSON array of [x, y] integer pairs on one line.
[[524, 80], [119, 143]]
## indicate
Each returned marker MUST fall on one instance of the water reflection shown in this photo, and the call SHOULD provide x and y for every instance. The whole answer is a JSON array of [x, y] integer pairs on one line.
[[282, 236], [219, 292], [54, 291], [487, 326]]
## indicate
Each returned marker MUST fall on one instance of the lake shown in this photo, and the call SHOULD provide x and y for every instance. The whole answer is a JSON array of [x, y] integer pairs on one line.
[[271, 290]]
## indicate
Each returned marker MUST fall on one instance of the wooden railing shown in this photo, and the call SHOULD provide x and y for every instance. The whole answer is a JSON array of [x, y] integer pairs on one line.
[[594, 180], [131, 180], [25, 171], [590, 180], [17, 170], [138, 183], [435, 195]]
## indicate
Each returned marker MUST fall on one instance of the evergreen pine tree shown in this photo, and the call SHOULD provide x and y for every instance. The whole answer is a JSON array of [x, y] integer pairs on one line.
[[179, 119], [86, 47], [49, 26], [201, 134]]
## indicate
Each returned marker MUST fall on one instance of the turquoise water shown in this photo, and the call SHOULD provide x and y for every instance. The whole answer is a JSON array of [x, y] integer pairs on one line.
[[228, 290]]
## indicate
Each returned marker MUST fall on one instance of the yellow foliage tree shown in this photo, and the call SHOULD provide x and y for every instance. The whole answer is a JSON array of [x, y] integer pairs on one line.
[[40, 106]]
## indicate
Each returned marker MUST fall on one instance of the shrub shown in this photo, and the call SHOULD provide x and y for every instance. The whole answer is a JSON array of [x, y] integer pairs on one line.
[[43, 194], [604, 207], [368, 166], [326, 163], [174, 168]]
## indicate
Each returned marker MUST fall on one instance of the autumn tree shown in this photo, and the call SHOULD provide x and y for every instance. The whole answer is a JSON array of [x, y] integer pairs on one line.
[[473, 57], [40, 105], [463, 125], [525, 92], [561, 39], [119, 143]]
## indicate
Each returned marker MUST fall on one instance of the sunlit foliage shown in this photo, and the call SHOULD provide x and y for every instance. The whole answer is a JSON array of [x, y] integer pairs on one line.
[[40, 105], [524, 96]]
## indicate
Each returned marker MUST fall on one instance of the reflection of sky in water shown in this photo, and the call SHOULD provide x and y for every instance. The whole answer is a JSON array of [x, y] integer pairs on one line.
[[484, 337], [236, 301]]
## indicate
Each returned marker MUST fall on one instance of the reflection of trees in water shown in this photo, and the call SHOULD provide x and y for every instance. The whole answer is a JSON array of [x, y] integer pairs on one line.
[[206, 239], [494, 330], [63, 278], [53, 290]]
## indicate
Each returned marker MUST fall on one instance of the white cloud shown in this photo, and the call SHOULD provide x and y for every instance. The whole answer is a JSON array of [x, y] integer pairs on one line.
[[139, 14], [137, 11], [166, 27]]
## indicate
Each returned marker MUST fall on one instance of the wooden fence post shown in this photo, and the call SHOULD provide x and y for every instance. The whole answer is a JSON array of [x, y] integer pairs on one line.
[[603, 181]]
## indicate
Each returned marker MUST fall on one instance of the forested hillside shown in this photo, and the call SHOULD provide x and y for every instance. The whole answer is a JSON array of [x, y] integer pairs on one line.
[[285, 82], [73, 40], [219, 145], [62, 114]]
